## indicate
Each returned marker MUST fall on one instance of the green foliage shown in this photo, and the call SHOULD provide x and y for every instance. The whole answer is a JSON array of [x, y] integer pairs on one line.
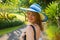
[[6, 24], [51, 12], [8, 4], [57, 34], [8, 20], [50, 31], [6, 16], [11, 16]]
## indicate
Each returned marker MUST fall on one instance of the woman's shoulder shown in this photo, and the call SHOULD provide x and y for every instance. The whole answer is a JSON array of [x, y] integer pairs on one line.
[[29, 27]]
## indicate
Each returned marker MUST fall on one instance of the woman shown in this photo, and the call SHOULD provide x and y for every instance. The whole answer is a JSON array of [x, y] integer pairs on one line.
[[34, 29]]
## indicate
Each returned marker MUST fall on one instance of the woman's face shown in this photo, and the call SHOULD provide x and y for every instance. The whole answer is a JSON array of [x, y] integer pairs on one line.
[[31, 17]]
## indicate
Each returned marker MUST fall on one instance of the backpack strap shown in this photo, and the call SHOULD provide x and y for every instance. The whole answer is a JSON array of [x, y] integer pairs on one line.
[[34, 32]]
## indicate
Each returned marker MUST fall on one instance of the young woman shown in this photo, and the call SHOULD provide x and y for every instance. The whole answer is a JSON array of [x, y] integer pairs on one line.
[[34, 29]]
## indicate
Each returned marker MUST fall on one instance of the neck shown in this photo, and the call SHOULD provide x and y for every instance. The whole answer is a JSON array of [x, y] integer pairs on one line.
[[33, 23]]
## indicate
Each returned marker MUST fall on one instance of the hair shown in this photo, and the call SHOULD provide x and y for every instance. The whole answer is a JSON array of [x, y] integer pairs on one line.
[[38, 20]]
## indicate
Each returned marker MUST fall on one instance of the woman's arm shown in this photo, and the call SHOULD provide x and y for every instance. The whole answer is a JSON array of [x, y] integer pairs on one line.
[[29, 33]]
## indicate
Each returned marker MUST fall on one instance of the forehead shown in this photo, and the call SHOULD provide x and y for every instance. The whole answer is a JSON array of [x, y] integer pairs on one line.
[[29, 12]]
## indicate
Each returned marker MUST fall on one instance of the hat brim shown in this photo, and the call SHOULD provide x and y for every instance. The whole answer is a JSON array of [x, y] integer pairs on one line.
[[28, 9], [44, 17]]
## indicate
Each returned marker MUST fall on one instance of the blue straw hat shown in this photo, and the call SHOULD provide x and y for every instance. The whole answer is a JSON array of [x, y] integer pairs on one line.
[[35, 8]]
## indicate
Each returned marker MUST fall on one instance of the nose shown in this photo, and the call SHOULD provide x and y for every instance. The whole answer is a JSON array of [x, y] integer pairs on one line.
[[30, 16]]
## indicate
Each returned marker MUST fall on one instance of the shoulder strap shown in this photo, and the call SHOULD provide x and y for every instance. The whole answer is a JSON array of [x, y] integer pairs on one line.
[[34, 32]]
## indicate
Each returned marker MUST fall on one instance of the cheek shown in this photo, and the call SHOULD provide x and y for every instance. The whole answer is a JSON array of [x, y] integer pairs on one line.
[[33, 18]]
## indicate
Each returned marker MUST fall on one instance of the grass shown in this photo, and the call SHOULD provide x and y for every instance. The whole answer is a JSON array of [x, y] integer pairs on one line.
[[7, 30]]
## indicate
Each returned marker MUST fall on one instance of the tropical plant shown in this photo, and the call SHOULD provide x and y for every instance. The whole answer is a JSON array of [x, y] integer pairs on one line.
[[8, 20], [51, 12]]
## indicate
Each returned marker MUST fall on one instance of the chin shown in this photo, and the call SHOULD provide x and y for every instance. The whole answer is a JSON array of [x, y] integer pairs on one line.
[[31, 21]]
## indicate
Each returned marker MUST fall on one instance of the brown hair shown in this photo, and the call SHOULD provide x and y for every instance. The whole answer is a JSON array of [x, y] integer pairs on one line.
[[38, 20]]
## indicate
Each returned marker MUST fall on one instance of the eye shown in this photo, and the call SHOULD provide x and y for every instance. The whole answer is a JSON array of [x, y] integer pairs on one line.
[[33, 15]]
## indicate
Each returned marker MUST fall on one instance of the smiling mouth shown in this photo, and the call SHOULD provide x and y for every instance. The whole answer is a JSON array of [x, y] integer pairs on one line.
[[30, 19]]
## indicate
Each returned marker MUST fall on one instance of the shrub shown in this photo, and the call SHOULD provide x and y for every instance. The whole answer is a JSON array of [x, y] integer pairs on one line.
[[9, 21]]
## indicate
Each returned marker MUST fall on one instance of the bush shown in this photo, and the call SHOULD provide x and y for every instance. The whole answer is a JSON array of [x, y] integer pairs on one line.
[[51, 12], [9, 20], [57, 34], [6, 24]]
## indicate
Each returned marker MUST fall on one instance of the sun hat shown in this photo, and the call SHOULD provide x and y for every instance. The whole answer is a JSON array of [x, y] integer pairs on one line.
[[35, 8]]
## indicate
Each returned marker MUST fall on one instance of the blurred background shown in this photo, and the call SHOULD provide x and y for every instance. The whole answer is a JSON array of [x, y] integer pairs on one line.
[[12, 18]]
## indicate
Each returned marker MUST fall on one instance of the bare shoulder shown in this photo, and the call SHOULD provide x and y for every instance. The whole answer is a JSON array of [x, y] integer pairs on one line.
[[29, 30], [28, 27], [29, 33]]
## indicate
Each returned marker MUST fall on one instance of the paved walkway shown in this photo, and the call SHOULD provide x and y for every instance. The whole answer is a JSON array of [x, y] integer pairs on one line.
[[14, 35]]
